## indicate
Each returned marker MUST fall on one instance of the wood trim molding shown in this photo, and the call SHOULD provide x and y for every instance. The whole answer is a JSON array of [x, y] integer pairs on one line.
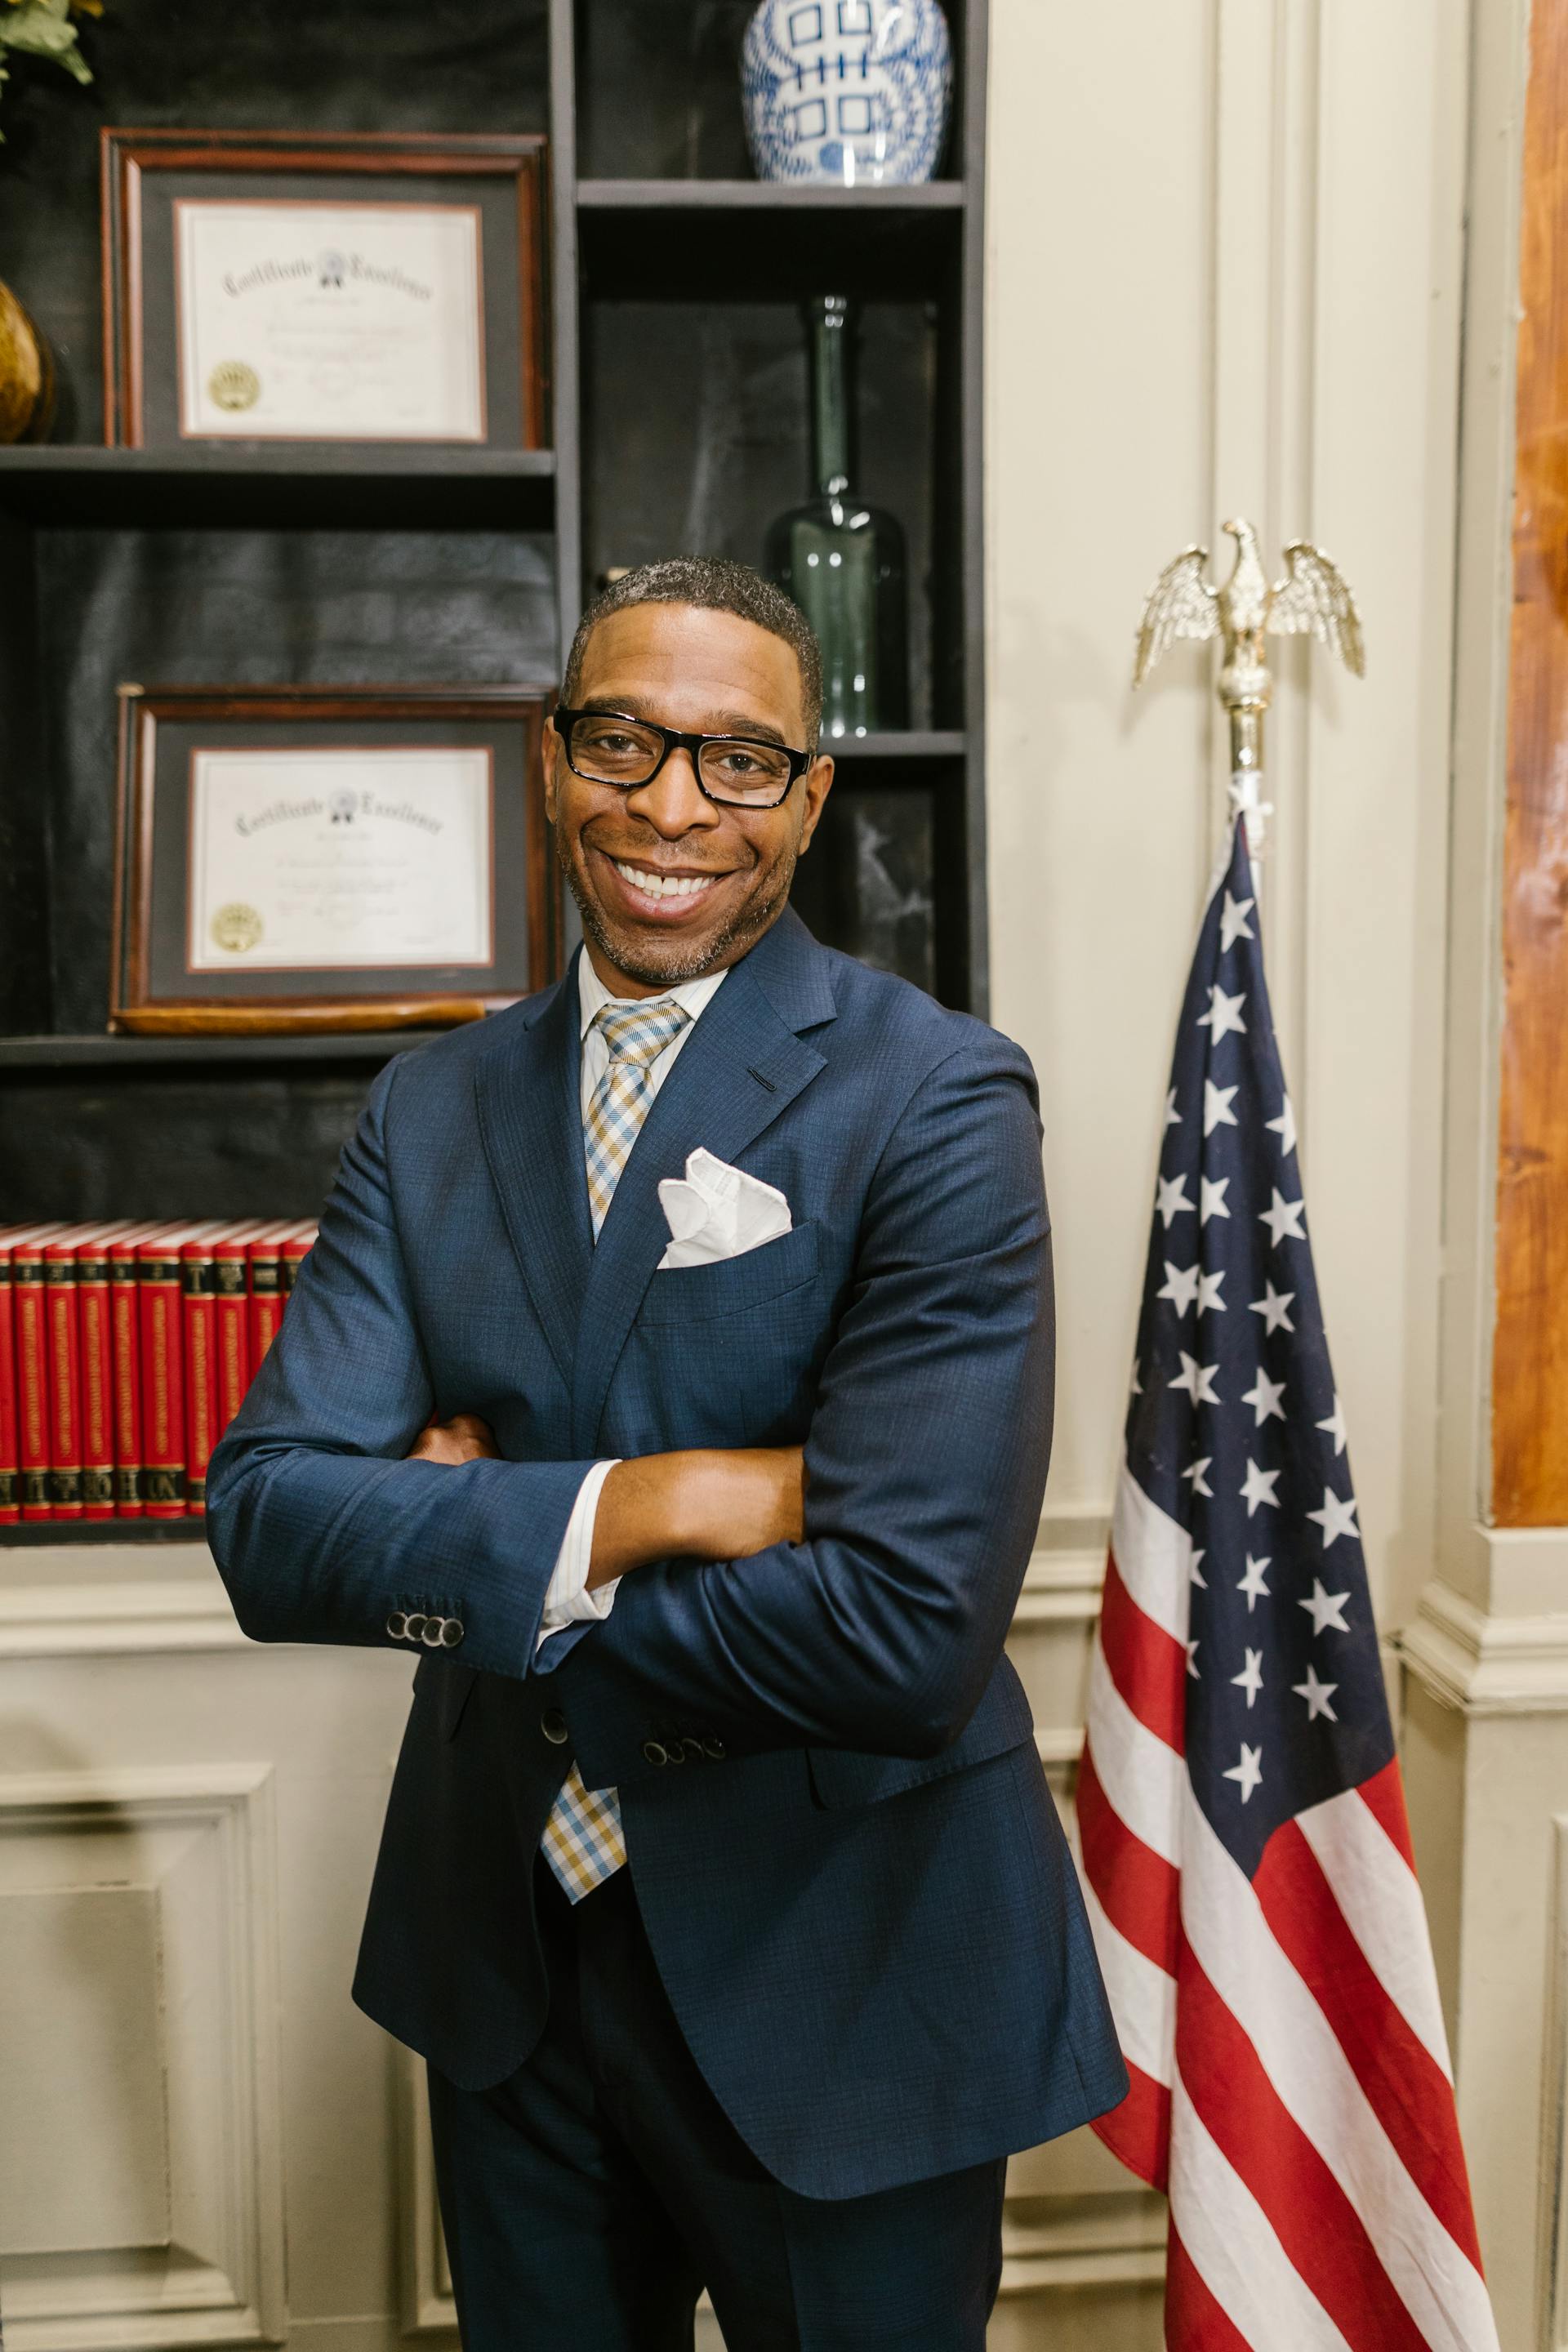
[[1530, 1339], [1482, 1664]]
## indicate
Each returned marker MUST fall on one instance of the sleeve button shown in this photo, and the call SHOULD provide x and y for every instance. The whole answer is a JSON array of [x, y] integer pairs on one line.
[[414, 1626], [451, 1632], [656, 1751], [397, 1626], [692, 1748], [715, 1749], [552, 1723], [432, 1633]]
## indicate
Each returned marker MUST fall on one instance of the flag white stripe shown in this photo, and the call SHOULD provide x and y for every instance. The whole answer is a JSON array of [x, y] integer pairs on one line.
[[1154, 1556], [1376, 1889], [1145, 1782], [1143, 1995], [1235, 1946], [1233, 2246]]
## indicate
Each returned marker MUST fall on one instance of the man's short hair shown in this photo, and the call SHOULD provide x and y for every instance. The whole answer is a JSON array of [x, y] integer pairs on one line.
[[714, 584]]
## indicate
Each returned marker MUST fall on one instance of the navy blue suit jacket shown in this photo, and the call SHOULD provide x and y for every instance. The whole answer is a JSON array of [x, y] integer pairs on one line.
[[862, 1906]]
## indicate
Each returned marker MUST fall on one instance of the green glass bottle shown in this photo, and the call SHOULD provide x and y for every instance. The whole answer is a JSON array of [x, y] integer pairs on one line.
[[842, 560]]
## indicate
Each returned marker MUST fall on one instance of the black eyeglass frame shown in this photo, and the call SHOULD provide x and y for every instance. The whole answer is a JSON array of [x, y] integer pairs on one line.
[[674, 740]]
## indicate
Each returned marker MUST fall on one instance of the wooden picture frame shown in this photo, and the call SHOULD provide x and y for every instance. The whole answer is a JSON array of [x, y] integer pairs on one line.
[[473, 915], [148, 176]]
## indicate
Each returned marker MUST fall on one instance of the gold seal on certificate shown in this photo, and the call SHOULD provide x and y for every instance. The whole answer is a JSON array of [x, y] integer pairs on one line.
[[315, 860], [301, 319]]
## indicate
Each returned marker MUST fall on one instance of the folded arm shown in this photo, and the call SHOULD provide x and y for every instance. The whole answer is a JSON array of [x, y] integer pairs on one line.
[[925, 1470]]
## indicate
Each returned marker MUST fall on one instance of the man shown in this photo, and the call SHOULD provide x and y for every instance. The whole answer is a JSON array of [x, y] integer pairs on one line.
[[720, 1885]]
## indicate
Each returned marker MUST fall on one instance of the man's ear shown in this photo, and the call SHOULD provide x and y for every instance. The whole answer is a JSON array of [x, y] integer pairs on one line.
[[818, 781]]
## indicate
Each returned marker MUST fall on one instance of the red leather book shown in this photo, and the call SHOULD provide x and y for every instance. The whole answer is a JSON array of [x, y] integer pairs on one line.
[[296, 1250], [231, 1316], [31, 1369], [97, 1373], [10, 1449], [198, 1287], [265, 1288], [62, 1313], [125, 1348], [162, 1366]]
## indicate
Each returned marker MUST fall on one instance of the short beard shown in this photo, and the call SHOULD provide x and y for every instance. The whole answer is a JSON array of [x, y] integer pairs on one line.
[[728, 943]]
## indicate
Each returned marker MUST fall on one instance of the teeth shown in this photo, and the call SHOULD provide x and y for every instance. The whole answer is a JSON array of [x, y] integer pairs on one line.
[[664, 886]]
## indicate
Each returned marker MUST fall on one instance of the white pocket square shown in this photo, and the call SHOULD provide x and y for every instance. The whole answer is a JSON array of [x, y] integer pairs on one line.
[[718, 1211]]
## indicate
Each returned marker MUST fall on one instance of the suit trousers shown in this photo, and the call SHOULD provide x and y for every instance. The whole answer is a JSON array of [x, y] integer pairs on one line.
[[589, 2198]]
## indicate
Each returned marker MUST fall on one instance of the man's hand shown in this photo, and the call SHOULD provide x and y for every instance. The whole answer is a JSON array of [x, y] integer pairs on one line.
[[709, 1503], [464, 1438]]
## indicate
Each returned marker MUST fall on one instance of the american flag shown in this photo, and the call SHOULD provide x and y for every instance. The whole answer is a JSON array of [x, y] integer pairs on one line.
[[1247, 1861]]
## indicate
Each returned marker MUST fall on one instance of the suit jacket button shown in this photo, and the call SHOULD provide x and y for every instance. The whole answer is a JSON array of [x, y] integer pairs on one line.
[[414, 1626], [397, 1624], [552, 1723], [716, 1748], [451, 1632], [432, 1633], [656, 1751], [693, 1748]]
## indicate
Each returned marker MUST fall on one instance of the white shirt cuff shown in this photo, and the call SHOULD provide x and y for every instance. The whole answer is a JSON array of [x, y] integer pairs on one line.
[[567, 1600]]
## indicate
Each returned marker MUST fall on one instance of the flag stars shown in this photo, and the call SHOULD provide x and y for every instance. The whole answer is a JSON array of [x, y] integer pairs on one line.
[[1250, 1678], [1335, 1425], [1274, 1306], [1325, 1608], [1218, 1111], [1264, 1397], [1247, 1773], [1208, 1292], [1252, 1583], [1223, 1015], [1284, 1126], [1172, 1198], [1180, 1286], [1194, 1571], [1194, 1470], [1317, 1696], [1257, 1486], [1173, 1115], [1336, 1518], [1211, 1202], [1283, 1219], [1196, 1379], [1192, 1649], [1233, 923]]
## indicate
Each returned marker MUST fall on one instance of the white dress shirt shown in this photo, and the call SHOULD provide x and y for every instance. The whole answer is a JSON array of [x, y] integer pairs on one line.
[[567, 1598]]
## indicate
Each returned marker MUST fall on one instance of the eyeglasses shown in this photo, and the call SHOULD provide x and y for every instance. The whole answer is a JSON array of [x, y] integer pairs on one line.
[[604, 746]]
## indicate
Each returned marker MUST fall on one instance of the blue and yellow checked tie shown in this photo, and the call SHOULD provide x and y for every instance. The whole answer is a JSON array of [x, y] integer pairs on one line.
[[583, 1842]]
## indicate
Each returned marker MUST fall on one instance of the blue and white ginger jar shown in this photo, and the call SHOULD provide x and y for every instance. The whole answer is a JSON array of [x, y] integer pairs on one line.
[[853, 91]]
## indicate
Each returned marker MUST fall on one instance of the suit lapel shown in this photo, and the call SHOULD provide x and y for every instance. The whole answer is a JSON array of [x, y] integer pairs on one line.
[[741, 1065], [532, 1129]]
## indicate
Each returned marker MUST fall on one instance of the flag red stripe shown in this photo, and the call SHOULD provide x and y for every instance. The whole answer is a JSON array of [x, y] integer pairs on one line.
[[1313, 2218], [1139, 2131], [1147, 1667], [1409, 2092], [1194, 2320], [1139, 1892], [1383, 1797]]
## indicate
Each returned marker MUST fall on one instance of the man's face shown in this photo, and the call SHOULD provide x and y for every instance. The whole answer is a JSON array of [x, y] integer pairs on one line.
[[706, 674]]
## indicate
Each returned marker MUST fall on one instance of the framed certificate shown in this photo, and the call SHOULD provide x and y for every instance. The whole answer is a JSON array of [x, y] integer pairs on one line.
[[343, 857], [272, 286]]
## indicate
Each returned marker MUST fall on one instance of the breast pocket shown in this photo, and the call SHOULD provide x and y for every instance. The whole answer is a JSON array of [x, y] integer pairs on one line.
[[729, 1354]]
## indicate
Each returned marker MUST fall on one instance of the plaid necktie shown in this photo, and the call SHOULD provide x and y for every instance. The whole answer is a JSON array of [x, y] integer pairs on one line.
[[583, 1842]]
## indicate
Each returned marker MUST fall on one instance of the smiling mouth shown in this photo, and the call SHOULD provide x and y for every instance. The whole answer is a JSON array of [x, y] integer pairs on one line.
[[650, 883]]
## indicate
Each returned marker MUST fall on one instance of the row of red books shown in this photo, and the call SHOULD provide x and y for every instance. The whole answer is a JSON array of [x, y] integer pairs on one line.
[[125, 1349]]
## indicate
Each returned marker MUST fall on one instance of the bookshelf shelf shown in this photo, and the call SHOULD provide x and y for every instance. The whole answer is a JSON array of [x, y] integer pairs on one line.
[[312, 486], [765, 196], [143, 1533], [42, 1052]]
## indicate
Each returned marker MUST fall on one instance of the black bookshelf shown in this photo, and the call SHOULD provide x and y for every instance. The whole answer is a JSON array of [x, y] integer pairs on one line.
[[339, 563]]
